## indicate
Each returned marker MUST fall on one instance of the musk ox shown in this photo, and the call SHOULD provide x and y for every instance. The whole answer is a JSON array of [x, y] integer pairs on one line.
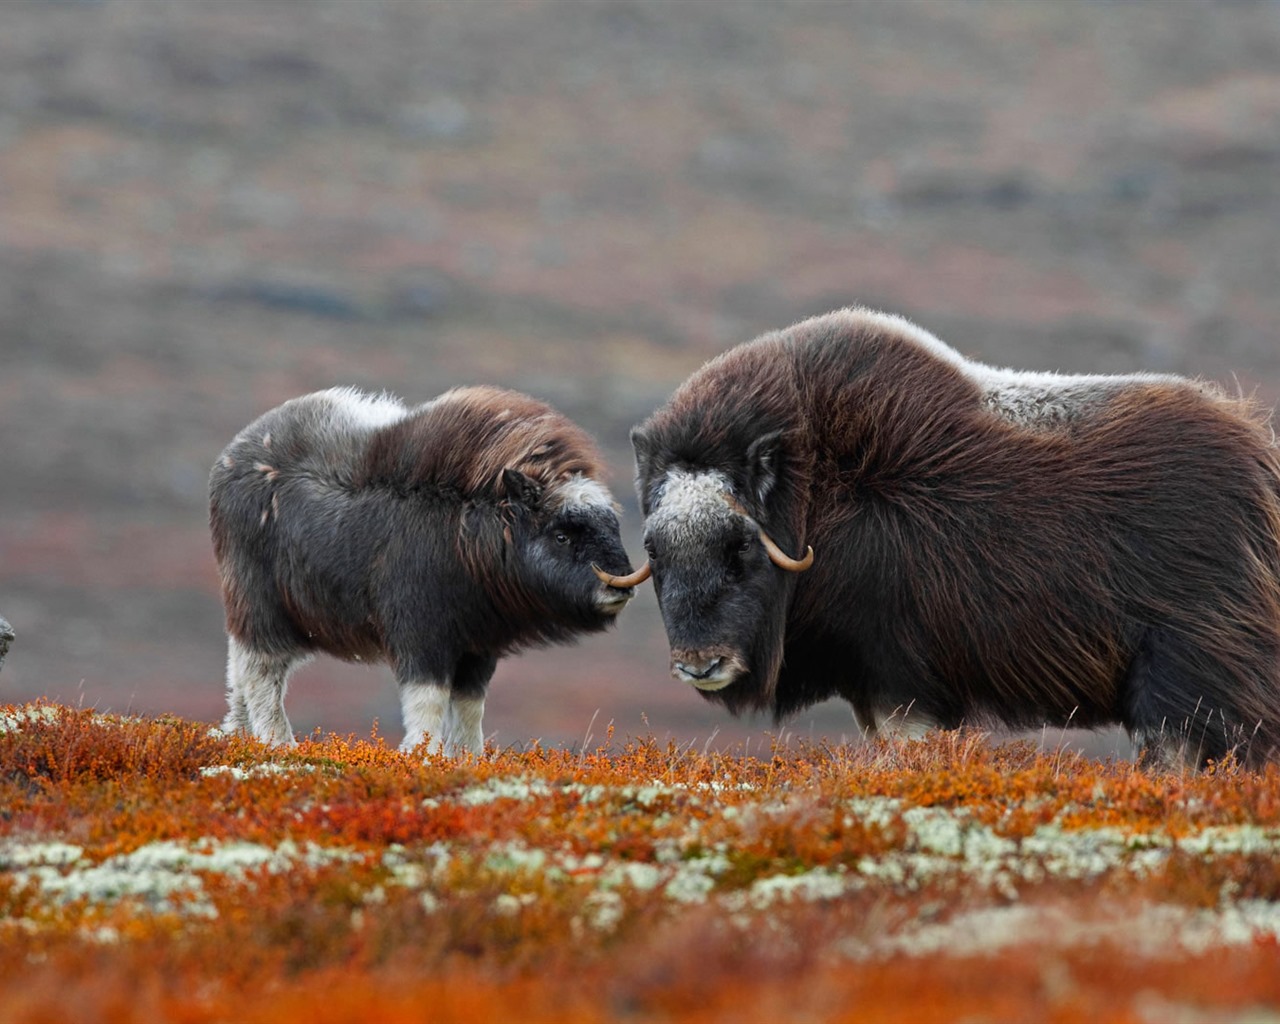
[[437, 538], [850, 508]]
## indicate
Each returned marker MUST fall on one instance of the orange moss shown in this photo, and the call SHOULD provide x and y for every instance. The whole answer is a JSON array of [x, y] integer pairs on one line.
[[424, 906]]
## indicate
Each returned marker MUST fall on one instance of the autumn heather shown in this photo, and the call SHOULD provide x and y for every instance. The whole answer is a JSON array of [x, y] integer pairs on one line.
[[169, 872]]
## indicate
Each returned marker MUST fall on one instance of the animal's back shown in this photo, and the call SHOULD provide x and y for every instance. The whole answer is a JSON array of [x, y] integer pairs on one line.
[[281, 495], [321, 434], [1107, 543]]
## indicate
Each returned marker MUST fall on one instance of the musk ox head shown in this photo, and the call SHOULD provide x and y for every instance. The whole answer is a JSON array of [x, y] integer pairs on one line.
[[564, 537], [723, 583]]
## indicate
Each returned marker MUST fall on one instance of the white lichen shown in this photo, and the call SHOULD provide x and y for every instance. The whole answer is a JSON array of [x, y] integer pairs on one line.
[[30, 714]]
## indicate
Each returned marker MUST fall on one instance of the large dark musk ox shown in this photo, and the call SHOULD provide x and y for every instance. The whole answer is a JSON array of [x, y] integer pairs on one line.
[[988, 546], [437, 538]]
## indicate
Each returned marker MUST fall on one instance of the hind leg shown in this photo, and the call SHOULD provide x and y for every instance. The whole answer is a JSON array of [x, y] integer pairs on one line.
[[463, 731], [466, 703], [1175, 706], [905, 722], [256, 684]]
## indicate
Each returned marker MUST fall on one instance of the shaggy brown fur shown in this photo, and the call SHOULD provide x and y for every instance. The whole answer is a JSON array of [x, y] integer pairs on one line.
[[990, 545], [467, 437]]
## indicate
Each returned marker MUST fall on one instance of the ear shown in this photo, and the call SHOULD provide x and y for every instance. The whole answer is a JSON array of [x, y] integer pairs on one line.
[[643, 447], [523, 490], [764, 462]]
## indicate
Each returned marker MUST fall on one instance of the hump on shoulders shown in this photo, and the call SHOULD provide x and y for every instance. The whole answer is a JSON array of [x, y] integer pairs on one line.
[[1031, 398]]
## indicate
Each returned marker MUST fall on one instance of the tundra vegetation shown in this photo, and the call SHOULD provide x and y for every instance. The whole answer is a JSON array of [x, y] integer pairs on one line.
[[158, 870]]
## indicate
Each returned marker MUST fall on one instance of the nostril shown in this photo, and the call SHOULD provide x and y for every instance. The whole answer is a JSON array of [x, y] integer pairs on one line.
[[702, 671]]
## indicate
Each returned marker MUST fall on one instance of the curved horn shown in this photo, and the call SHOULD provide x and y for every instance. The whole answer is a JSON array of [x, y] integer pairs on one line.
[[783, 561], [622, 582], [776, 555]]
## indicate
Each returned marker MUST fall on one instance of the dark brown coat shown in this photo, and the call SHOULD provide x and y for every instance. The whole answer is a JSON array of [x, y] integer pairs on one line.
[[991, 546]]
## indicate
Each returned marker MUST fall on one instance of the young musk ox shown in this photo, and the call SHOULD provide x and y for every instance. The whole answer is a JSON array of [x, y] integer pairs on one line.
[[984, 545], [437, 538]]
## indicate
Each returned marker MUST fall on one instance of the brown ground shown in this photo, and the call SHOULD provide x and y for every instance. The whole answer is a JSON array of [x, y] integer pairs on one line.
[[208, 208]]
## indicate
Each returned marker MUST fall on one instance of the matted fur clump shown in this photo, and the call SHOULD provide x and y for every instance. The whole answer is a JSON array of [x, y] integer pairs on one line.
[[436, 538], [988, 545]]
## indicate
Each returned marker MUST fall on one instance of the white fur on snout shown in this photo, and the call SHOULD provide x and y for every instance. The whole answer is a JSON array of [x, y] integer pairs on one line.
[[731, 667], [718, 680], [610, 600]]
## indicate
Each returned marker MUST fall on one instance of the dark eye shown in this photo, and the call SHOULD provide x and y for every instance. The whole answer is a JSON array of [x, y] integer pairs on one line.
[[733, 562], [745, 546], [562, 537]]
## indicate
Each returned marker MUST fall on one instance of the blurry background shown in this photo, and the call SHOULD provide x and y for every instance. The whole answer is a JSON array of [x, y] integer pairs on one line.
[[207, 208]]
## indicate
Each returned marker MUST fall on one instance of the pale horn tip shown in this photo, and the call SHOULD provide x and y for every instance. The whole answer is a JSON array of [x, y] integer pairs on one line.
[[784, 561], [623, 582]]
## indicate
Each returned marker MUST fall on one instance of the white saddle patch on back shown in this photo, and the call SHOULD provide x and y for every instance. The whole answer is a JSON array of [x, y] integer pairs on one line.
[[1045, 399], [362, 410], [1027, 397]]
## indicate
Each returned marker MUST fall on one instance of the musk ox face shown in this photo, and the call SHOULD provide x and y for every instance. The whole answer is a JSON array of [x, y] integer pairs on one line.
[[712, 577], [718, 576], [563, 533]]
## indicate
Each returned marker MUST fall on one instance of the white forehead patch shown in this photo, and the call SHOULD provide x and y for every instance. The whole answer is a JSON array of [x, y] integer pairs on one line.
[[690, 505], [582, 492]]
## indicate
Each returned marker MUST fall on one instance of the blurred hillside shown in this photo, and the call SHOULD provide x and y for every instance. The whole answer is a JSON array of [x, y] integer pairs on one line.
[[208, 208]]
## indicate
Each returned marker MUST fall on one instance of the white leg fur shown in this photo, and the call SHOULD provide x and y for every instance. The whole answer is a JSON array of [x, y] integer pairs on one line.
[[905, 729], [423, 705], [465, 732], [903, 723], [237, 719], [256, 685], [1161, 750]]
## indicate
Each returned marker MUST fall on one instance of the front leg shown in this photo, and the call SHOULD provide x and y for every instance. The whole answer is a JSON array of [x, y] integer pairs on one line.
[[423, 703], [256, 684], [466, 702], [465, 734]]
